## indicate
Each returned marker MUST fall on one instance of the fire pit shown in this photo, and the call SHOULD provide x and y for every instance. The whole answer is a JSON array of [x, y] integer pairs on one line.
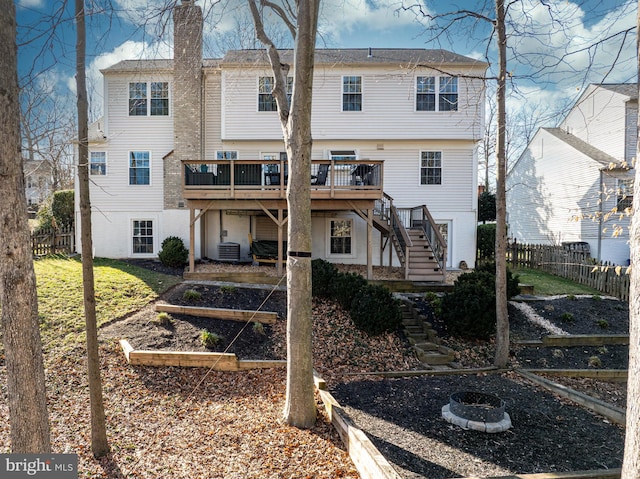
[[477, 411]]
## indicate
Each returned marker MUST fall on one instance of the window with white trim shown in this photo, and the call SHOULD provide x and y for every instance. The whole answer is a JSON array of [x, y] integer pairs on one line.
[[430, 168], [343, 155], [266, 100], [148, 99], [340, 236], [352, 93], [624, 194], [447, 93], [98, 163], [139, 168], [142, 238]]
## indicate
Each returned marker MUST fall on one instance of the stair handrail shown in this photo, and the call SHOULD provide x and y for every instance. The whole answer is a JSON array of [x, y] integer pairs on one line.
[[382, 207], [399, 231], [432, 234]]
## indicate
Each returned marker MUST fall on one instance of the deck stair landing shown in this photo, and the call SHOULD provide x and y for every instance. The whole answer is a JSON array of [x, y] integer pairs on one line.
[[424, 340]]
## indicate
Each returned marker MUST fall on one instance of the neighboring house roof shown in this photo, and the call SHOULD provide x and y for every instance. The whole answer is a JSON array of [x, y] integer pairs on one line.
[[627, 89], [134, 66], [351, 56], [595, 154], [359, 56]]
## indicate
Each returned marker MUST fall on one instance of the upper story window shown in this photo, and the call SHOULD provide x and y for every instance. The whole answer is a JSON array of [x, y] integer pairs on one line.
[[448, 99], [148, 99], [266, 100], [98, 163], [625, 194], [343, 155], [352, 93], [447, 93], [431, 168], [139, 168]]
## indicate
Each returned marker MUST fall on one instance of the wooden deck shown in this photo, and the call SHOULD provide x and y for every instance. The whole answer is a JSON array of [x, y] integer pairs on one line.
[[261, 180]]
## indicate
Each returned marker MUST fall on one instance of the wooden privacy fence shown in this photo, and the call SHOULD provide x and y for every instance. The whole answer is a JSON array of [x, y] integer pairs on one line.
[[572, 264], [53, 241]]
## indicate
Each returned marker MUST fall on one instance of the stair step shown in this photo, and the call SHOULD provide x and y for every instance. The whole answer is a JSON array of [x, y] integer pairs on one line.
[[427, 346], [433, 358]]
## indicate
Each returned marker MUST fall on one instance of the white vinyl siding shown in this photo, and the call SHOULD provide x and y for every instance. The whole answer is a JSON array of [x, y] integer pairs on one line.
[[388, 97], [546, 209], [125, 134], [599, 119]]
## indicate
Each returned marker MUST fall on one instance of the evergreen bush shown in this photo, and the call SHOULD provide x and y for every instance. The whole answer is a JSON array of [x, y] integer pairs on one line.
[[173, 252], [470, 309], [486, 241], [374, 310], [323, 274], [345, 288]]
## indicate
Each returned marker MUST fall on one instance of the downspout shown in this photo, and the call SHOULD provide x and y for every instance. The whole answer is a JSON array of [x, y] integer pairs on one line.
[[600, 216]]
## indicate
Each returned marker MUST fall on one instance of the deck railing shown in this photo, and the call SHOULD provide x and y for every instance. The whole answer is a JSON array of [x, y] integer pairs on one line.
[[239, 178]]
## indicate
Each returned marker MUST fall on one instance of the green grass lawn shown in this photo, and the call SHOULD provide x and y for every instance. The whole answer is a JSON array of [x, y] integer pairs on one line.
[[120, 289], [545, 284]]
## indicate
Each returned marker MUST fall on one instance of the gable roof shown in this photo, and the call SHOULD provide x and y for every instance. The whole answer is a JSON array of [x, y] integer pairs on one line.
[[585, 148], [324, 56], [627, 89], [358, 56]]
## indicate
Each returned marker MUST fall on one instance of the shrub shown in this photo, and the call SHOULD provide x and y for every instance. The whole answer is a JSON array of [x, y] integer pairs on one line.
[[567, 318], [163, 319], [603, 323], [572, 297], [374, 310], [345, 288], [173, 252], [56, 211], [258, 327], [191, 295], [228, 289], [435, 302], [470, 309], [596, 297], [595, 362], [323, 274], [486, 241], [209, 339]]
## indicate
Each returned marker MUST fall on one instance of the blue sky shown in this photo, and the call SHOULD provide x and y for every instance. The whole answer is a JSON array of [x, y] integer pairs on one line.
[[134, 31]]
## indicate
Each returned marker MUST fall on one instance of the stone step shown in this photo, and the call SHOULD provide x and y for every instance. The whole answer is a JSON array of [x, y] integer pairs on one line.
[[427, 346], [442, 355]]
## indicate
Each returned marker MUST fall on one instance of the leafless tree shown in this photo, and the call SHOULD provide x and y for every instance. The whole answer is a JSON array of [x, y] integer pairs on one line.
[[631, 463], [20, 326], [48, 131], [301, 19], [99, 444]]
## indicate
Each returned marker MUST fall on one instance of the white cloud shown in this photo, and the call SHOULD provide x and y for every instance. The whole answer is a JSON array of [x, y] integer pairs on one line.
[[31, 3], [346, 16]]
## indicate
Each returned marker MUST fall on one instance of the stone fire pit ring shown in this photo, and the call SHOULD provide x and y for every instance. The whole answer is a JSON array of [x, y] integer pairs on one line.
[[477, 411]]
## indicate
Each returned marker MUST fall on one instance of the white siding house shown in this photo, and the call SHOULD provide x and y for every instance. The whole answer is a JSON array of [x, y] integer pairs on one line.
[[403, 123], [573, 183]]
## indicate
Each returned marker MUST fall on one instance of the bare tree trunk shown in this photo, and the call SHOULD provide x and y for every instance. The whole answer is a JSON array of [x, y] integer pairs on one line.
[[502, 316], [299, 409], [18, 297], [99, 444], [631, 463]]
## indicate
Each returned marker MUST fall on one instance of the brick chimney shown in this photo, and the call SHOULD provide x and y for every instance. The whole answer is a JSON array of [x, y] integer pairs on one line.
[[187, 98]]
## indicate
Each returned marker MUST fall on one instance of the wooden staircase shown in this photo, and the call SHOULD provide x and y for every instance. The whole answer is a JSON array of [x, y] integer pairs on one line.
[[420, 247]]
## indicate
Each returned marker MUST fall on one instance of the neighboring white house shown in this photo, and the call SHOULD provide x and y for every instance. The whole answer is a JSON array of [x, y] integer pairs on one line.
[[193, 148], [573, 183], [38, 180]]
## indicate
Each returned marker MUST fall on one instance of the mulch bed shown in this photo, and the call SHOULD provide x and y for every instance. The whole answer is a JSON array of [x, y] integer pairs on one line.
[[403, 419], [403, 416]]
